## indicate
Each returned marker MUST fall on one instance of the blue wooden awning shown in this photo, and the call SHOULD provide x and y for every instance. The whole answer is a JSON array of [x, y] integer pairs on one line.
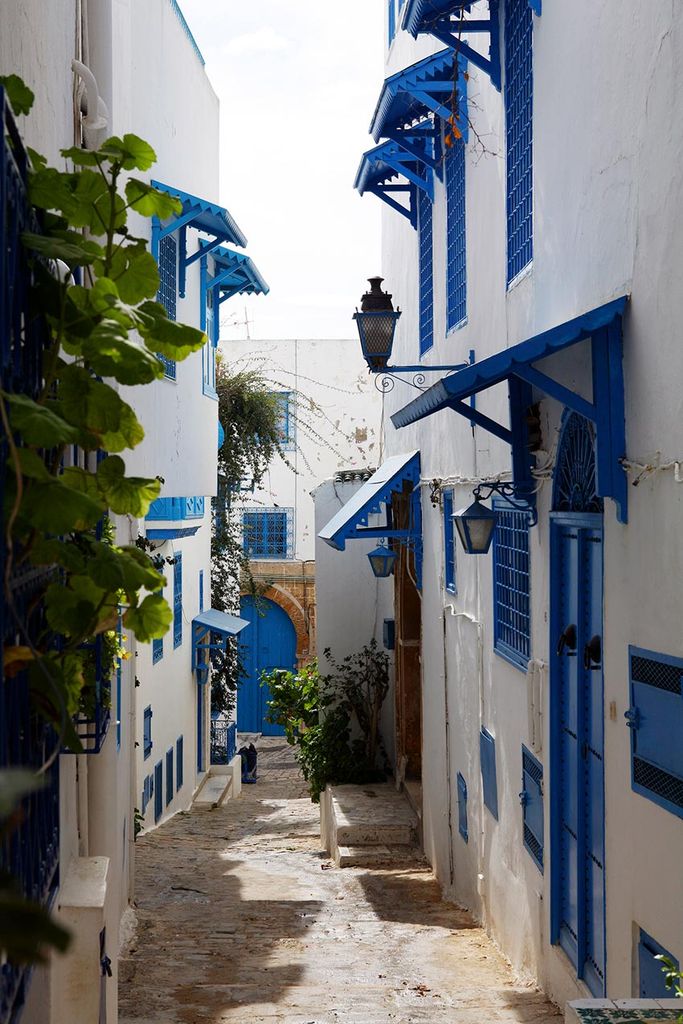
[[415, 94], [205, 626], [449, 21], [516, 366], [236, 274], [380, 172], [351, 521]]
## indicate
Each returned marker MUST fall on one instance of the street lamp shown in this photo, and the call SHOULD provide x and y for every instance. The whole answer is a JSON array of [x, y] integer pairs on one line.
[[476, 523], [376, 324], [382, 561]]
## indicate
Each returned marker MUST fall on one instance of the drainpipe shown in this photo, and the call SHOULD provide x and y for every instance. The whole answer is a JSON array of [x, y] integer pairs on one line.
[[451, 866], [95, 109]]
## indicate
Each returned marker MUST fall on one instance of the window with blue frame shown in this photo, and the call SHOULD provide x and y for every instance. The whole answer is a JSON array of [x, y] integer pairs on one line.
[[655, 718], [147, 732], [448, 542], [157, 650], [168, 289], [425, 271], [268, 533], [518, 124], [456, 248], [286, 419], [179, 763], [511, 585], [531, 799], [462, 807], [178, 600]]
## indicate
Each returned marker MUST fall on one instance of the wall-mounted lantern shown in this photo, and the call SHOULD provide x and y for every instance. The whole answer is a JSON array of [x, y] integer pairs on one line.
[[382, 561], [376, 324], [476, 523]]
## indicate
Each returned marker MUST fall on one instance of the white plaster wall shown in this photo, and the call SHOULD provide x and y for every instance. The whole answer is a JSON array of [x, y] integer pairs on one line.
[[607, 203], [338, 414]]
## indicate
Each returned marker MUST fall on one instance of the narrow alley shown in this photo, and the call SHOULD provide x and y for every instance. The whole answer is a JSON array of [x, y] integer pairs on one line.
[[241, 917]]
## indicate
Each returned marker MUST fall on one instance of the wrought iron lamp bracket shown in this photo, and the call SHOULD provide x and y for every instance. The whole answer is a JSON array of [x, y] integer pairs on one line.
[[520, 496], [384, 378]]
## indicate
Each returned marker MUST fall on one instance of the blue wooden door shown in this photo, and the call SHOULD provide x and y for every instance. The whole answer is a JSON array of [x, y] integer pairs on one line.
[[578, 799], [268, 642]]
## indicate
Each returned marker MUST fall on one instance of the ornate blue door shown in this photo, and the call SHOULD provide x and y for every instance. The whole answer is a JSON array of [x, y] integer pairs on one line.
[[577, 716], [268, 642]]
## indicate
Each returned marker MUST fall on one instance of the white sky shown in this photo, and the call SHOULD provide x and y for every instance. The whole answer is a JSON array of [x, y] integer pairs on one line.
[[297, 81]]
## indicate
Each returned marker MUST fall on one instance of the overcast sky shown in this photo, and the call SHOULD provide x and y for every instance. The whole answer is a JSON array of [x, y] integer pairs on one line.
[[297, 81]]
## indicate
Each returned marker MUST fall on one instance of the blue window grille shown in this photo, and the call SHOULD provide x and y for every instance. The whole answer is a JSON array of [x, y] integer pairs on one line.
[[201, 590], [168, 289], [456, 248], [286, 419], [178, 600], [179, 763], [268, 533], [518, 122], [462, 807], [651, 979], [391, 20], [487, 760], [158, 789], [147, 732], [157, 650], [511, 585], [30, 851], [655, 718], [223, 741], [169, 776], [449, 543], [531, 799], [425, 271]]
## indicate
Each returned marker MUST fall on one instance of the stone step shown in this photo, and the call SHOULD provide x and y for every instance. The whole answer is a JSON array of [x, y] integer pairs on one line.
[[373, 856], [215, 791], [371, 816], [365, 834]]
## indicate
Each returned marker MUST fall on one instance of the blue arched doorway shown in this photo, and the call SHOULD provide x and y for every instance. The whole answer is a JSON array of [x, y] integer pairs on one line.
[[268, 642]]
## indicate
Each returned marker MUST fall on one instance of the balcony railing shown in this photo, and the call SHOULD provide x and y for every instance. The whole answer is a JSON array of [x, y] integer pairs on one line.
[[223, 741]]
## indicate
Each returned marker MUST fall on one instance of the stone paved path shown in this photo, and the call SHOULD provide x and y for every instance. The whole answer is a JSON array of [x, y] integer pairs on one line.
[[241, 918]]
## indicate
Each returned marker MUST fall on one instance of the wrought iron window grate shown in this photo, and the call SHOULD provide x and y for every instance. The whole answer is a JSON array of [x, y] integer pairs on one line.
[[168, 289], [426, 272], [656, 673], [511, 585], [178, 600], [456, 251], [223, 741], [518, 119], [268, 533], [286, 419]]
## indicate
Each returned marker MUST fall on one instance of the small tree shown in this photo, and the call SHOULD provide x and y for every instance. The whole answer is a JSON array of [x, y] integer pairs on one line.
[[362, 683]]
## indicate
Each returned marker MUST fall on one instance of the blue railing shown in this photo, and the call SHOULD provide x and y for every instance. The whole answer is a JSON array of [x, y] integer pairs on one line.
[[223, 741], [30, 852]]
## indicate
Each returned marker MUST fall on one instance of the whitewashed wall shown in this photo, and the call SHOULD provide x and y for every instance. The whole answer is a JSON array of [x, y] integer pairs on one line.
[[607, 203]]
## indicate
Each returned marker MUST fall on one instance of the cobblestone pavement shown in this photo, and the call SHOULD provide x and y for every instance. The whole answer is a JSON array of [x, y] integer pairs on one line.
[[240, 917]]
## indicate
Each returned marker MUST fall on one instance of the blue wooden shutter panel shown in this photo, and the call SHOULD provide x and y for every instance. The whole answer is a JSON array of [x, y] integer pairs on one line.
[[518, 121], [158, 790], [462, 807], [169, 776], [651, 980], [426, 272], [656, 722], [179, 770], [147, 732], [449, 542], [178, 601], [531, 799], [487, 758]]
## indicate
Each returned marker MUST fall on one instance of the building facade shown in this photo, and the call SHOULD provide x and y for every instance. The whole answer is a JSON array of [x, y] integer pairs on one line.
[[531, 187]]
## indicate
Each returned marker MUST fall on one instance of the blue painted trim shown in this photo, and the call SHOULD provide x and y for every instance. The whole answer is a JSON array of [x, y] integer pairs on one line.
[[462, 807], [234, 274], [180, 763], [415, 93], [178, 600], [158, 790], [519, 132], [172, 533], [147, 744], [425, 243], [449, 543], [532, 800], [169, 776], [651, 980], [445, 21], [487, 762], [186, 29], [176, 509], [380, 167], [201, 214]]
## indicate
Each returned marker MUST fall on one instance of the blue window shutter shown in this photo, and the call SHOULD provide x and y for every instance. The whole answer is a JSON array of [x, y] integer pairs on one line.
[[178, 600], [656, 721], [201, 590], [487, 759], [147, 732], [518, 123], [179, 763], [169, 776], [425, 271], [286, 420], [531, 799], [268, 533], [456, 238], [391, 20], [168, 289], [651, 980], [158, 789], [462, 807], [448, 542], [511, 585], [157, 650]]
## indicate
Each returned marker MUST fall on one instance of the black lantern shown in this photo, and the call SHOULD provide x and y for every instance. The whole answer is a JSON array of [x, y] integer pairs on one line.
[[475, 525], [376, 325], [382, 561]]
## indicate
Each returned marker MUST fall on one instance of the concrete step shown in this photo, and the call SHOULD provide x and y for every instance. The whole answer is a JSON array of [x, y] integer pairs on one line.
[[215, 790], [372, 816], [375, 856]]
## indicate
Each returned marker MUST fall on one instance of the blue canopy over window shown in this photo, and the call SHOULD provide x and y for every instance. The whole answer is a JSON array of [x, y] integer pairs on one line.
[[414, 94], [516, 366], [208, 623], [236, 274], [380, 167], [203, 216]]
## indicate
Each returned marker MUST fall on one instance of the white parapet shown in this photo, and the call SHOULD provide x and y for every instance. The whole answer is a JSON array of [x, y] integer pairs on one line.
[[82, 900]]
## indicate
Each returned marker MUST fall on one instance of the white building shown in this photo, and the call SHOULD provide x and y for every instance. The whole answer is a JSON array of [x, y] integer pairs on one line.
[[542, 245], [330, 420], [147, 746]]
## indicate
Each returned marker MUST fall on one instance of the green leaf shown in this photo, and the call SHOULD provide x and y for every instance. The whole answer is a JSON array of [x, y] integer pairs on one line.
[[31, 464], [125, 495], [114, 569], [50, 189], [51, 551], [54, 507], [55, 683], [131, 152], [37, 159], [150, 201], [80, 157], [27, 929], [112, 353], [20, 96], [167, 337], [91, 202], [96, 408], [135, 272], [150, 620], [38, 424], [15, 784], [77, 254]]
